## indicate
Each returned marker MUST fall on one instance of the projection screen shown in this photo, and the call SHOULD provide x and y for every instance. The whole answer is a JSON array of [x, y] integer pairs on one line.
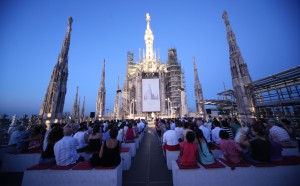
[[151, 98]]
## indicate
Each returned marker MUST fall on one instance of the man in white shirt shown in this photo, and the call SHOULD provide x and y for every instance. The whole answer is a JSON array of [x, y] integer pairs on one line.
[[170, 141], [205, 130], [141, 126], [172, 125], [65, 149], [278, 134], [215, 132]]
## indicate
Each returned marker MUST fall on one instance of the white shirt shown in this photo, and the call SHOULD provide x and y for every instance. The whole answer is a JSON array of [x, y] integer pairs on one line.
[[206, 133], [65, 151], [80, 137], [179, 132], [140, 126], [120, 135], [215, 134], [170, 138], [208, 125], [14, 138], [279, 134], [172, 126]]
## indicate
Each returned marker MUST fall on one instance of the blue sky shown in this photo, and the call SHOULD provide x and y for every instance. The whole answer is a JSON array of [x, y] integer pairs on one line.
[[32, 33]]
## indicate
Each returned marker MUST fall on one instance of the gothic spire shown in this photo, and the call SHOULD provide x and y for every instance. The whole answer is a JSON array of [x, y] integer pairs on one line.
[[117, 101], [83, 110], [239, 73], [100, 105], [198, 91], [66, 44], [149, 38], [53, 104], [75, 106]]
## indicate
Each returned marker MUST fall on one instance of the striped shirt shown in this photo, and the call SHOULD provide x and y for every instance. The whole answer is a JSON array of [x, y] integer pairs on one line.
[[229, 131]]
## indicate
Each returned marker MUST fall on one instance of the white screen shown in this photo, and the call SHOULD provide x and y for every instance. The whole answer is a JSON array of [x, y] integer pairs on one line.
[[151, 98]]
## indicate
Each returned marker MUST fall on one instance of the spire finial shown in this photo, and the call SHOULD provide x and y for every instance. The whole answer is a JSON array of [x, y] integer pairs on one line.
[[225, 17], [70, 20]]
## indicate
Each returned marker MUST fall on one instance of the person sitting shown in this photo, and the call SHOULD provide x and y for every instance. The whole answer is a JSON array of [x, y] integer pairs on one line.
[[130, 133], [230, 149], [170, 141], [206, 156], [65, 149], [120, 136], [186, 128], [179, 131], [228, 129], [278, 134], [136, 130], [36, 137], [215, 132], [109, 155], [82, 136], [189, 153], [205, 131], [106, 133], [15, 136], [260, 146], [47, 156]]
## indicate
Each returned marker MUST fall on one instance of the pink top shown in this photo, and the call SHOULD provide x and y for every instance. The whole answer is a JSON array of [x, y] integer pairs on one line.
[[230, 148], [189, 153]]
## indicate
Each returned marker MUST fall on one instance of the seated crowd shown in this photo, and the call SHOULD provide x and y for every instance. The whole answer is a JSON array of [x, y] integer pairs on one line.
[[62, 143], [259, 141]]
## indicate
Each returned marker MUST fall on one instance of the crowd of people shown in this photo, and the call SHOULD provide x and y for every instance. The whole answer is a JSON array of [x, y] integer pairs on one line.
[[258, 141], [63, 143]]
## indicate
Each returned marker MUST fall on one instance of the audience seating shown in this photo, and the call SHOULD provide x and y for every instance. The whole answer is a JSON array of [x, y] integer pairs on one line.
[[13, 162], [126, 158], [132, 147], [246, 176], [170, 156], [81, 174]]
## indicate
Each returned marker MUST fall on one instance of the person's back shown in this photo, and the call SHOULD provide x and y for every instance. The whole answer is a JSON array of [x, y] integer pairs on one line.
[[189, 150], [215, 135], [109, 154], [81, 137], [65, 149], [229, 148], [279, 134], [170, 138], [129, 133], [206, 156], [15, 136]]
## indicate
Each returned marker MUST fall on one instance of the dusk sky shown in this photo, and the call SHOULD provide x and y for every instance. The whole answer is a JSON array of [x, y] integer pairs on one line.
[[32, 33]]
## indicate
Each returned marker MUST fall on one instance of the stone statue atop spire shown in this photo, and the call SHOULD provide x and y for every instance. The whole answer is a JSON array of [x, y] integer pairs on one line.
[[149, 38], [53, 104], [100, 105], [239, 73]]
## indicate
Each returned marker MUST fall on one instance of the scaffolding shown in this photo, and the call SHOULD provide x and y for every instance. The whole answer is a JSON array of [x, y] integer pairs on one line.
[[226, 105], [173, 82], [278, 96]]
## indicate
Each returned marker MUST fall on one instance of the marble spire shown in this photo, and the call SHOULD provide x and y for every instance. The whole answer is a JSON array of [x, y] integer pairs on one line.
[[198, 91], [149, 38], [239, 73], [100, 105], [53, 104]]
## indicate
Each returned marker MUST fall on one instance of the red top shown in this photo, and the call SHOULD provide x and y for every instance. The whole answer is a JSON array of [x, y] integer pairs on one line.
[[189, 153], [129, 134]]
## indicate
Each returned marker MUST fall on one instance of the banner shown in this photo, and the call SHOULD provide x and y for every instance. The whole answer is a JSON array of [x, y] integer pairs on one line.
[[150, 96]]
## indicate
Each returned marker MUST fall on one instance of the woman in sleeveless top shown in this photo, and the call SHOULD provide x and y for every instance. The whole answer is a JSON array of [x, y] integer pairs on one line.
[[109, 155]]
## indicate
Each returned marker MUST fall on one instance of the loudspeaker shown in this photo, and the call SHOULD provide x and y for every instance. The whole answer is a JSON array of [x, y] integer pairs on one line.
[[208, 111], [92, 114]]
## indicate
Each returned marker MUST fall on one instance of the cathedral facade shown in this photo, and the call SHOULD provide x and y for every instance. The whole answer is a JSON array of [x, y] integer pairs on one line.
[[152, 88]]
